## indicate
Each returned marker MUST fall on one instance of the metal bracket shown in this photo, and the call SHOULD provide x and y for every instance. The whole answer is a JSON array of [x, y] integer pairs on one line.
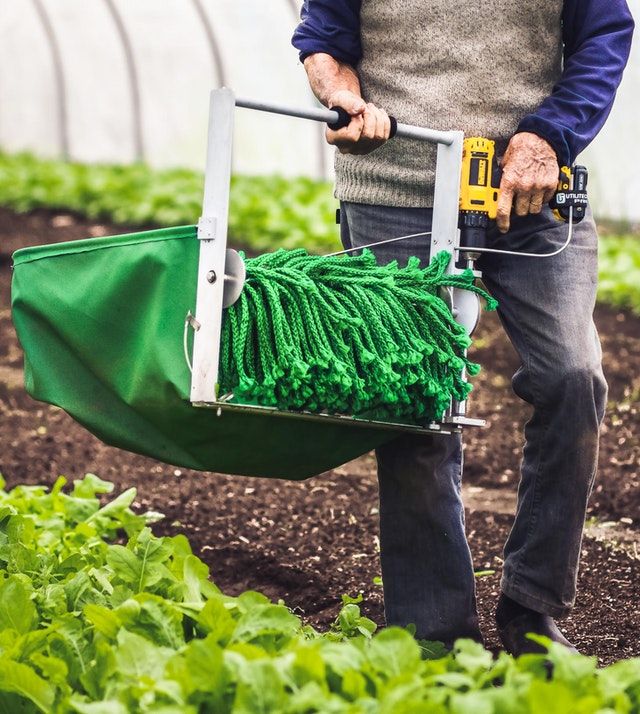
[[207, 227], [463, 421], [212, 232], [445, 234]]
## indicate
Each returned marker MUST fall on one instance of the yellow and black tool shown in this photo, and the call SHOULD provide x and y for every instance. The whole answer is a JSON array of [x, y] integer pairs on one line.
[[480, 191]]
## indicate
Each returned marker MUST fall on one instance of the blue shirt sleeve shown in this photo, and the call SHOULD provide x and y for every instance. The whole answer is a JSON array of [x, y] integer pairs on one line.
[[597, 40], [330, 26]]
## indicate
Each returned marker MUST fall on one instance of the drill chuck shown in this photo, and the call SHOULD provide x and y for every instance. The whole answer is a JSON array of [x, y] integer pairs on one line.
[[473, 229]]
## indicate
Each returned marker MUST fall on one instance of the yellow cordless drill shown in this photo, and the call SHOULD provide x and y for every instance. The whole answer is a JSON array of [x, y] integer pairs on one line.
[[480, 191]]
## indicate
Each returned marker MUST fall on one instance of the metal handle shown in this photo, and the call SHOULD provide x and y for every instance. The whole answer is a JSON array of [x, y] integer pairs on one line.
[[337, 117], [345, 119]]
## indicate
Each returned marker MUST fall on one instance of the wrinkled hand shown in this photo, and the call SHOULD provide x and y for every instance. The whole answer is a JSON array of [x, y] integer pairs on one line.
[[369, 128], [529, 177]]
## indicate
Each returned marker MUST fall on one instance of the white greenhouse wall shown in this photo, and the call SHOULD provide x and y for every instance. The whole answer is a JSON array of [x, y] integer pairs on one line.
[[174, 66], [121, 80]]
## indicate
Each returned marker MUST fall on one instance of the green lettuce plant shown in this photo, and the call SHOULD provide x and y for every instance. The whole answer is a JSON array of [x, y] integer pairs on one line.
[[100, 616]]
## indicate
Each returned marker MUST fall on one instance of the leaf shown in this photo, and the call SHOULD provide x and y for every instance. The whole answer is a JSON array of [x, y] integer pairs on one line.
[[340, 657], [472, 657], [158, 620], [308, 665], [552, 698], [17, 611], [111, 706], [53, 668], [353, 685], [201, 673], [104, 620], [476, 702], [217, 620], [350, 622], [90, 486], [14, 704], [136, 656], [432, 649], [195, 572], [392, 652], [115, 508], [620, 677], [69, 643], [125, 564], [265, 620], [348, 600], [260, 688], [21, 679]]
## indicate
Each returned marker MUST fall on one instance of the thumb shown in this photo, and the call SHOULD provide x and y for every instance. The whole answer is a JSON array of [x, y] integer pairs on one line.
[[350, 102]]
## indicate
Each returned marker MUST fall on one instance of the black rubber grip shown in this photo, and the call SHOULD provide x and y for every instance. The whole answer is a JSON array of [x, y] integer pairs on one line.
[[344, 119]]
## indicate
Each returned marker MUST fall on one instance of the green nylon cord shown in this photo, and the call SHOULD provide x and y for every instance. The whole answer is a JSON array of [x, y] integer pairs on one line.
[[345, 335]]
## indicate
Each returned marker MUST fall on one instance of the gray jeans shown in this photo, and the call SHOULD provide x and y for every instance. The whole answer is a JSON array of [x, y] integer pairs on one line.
[[546, 309]]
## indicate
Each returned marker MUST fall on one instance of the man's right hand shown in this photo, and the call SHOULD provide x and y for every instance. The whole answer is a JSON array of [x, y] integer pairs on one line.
[[336, 84], [369, 127]]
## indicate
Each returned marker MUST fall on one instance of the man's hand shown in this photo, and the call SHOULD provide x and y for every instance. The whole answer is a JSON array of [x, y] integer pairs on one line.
[[369, 128], [530, 174], [336, 84]]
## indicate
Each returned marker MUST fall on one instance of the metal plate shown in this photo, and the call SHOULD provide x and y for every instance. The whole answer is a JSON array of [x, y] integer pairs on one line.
[[466, 309], [345, 420], [235, 273]]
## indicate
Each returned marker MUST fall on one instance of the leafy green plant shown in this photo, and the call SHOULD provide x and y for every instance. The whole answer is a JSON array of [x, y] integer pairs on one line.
[[619, 282], [92, 625], [265, 212]]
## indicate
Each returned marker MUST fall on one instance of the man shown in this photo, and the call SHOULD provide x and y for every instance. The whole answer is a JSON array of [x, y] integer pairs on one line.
[[539, 77]]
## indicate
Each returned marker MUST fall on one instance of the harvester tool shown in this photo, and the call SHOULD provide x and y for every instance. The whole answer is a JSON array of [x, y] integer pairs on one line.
[[293, 363]]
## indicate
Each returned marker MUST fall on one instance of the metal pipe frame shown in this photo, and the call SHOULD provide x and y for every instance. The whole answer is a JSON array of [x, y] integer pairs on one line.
[[330, 117], [59, 77], [214, 48], [444, 233], [134, 81]]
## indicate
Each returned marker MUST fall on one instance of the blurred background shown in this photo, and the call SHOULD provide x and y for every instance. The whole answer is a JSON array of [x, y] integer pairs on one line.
[[120, 82]]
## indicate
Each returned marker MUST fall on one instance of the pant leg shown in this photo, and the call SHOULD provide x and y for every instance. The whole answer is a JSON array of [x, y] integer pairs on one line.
[[427, 571], [546, 307]]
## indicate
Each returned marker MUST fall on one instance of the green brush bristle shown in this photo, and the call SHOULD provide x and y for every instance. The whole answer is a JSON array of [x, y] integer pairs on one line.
[[345, 335]]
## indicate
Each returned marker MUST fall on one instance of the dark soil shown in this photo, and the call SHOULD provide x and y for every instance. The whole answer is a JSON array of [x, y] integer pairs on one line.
[[309, 542]]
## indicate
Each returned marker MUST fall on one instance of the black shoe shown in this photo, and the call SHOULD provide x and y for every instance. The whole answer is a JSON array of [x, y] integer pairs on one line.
[[513, 634]]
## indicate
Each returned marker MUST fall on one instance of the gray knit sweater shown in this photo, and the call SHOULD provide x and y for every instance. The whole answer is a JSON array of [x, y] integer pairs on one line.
[[446, 64]]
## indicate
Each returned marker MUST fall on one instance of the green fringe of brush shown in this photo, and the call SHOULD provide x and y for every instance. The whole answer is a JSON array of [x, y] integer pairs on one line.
[[344, 335]]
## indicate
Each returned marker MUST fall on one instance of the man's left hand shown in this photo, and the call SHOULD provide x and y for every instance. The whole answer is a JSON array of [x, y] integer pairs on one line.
[[529, 177]]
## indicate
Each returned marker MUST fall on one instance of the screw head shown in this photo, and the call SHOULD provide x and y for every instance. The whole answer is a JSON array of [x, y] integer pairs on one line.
[[211, 276]]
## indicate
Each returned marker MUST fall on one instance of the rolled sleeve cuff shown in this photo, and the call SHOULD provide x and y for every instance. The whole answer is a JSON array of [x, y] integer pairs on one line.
[[552, 133], [311, 47]]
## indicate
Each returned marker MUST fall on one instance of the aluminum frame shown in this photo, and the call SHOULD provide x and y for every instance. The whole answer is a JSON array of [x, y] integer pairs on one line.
[[212, 233]]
